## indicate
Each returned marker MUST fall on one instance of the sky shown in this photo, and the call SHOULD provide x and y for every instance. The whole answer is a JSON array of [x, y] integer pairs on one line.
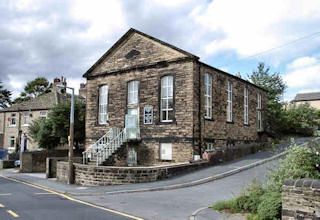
[[54, 38]]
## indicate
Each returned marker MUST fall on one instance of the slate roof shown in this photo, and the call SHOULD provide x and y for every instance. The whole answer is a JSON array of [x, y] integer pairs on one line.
[[307, 96], [43, 102]]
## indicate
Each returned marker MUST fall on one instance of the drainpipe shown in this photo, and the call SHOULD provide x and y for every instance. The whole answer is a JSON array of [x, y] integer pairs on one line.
[[199, 110]]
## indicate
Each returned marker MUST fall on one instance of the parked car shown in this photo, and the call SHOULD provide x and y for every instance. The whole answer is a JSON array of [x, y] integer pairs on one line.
[[17, 163]]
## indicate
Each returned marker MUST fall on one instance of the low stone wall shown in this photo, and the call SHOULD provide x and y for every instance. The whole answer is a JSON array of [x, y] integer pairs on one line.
[[301, 199], [6, 164], [88, 175], [51, 165], [35, 161]]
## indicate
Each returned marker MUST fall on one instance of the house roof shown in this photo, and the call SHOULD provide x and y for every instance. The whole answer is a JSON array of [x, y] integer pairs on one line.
[[307, 96], [124, 37], [42, 102]]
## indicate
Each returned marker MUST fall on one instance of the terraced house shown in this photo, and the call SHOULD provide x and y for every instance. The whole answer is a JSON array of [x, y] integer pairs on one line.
[[173, 106], [15, 120]]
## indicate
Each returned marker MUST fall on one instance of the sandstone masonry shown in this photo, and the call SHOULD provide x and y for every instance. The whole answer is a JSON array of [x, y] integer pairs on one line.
[[140, 57], [301, 199]]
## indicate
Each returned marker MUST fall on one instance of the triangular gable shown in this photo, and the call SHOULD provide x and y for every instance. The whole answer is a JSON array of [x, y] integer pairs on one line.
[[133, 49]]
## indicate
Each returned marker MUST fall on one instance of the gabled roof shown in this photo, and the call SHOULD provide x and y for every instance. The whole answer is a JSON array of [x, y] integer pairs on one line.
[[124, 37], [42, 102], [307, 96]]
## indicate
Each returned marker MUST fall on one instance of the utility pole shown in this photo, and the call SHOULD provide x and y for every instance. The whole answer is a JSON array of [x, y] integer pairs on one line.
[[71, 136]]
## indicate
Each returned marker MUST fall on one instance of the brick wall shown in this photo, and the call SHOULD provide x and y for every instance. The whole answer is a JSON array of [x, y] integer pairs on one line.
[[301, 199]]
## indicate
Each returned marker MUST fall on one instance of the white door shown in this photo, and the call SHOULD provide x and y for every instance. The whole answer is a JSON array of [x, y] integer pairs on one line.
[[132, 120]]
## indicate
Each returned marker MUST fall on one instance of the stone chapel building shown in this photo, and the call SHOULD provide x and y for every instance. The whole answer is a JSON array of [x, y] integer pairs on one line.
[[177, 105]]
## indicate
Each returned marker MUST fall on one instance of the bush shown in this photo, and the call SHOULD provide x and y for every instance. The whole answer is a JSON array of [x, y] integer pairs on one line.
[[270, 206], [230, 205], [299, 163]]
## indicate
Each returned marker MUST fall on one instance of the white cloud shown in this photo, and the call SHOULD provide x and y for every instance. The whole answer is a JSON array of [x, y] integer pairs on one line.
[[304, 74], [104, 18], [252, 26], [302, 62]]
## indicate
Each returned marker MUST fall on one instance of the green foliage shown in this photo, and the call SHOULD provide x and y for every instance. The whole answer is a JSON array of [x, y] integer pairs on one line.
[[54, 130], [275, 86], [301, 120], [34, 89], [37, 87], [270, 206], [5, 96], [264, 202], [300, 162], [230, 205]]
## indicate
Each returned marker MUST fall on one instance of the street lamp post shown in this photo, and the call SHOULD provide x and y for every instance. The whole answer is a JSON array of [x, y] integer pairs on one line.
[[71, 136]]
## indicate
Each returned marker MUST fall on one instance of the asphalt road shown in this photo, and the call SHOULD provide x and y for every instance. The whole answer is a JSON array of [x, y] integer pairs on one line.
[[21, 201], [181, 203]]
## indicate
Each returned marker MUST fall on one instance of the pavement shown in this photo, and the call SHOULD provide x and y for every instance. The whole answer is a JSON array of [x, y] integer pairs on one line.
[[154, 201]]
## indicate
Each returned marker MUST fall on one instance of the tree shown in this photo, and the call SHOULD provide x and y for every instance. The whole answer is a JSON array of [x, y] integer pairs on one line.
[[5, 96], [34, 89], [275, 86], [301, 120], [54, 130]]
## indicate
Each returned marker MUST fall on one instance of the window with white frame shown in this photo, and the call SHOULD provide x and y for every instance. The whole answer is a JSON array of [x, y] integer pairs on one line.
[[12, 142], [165, 151], [13, 119], [246, 106], [229, 102], [208, 95], [166, 105], [25, 119], [103, 105], [43, 114], [133, 88], [259, 112]]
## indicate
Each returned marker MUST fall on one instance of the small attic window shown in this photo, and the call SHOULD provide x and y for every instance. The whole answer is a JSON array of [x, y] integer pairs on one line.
[[132, 54]]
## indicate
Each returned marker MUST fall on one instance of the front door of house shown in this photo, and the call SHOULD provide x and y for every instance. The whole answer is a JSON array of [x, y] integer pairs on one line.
[[132, 123]]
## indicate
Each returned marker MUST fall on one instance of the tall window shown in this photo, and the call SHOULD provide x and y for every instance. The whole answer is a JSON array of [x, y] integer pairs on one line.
[[229, 102], [208, 95], [25, 119], [13, 119], [259, 112], [166, 105], [246, 106], [103, 105], [133, 92]]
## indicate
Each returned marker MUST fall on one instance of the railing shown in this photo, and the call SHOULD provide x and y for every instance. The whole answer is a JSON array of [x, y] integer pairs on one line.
[[103, 148]]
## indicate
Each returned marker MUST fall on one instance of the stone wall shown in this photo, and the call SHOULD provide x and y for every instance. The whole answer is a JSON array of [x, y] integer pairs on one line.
[[51, 165], [6, 164], [301, 199], [88, 175], [217, 130], [35, 161]]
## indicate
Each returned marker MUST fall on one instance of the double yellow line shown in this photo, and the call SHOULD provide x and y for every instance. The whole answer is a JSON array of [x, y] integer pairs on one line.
[[71, 199]]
